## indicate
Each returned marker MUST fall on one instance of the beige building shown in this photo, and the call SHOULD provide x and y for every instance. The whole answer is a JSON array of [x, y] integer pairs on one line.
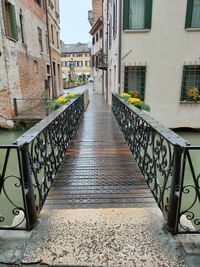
[[54, 80], [76, 60], [153, 47]]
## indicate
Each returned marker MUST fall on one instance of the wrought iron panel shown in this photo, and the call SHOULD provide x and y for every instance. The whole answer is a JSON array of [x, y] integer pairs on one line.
[[38, 154], [162, 155], [12, 190]]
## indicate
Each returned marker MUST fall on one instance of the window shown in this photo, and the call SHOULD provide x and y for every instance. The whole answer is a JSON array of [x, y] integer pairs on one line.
[[193, 14], [40, 39], [134, 79], [79, 63], [87, 63], [35, 66], [137, 14], [38, 2], [97, 37], [101, 33], [9, 17], [191, 79], [52, 34], [93, 40], [47, 43], [57, 37], [21, 19]]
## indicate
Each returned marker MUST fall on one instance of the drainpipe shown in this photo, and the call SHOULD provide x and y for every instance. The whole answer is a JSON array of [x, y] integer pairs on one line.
[[49, 47], [107, 49], [120, 46]]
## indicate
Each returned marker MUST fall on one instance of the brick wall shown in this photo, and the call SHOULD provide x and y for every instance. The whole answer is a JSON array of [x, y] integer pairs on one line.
[[96, 10]]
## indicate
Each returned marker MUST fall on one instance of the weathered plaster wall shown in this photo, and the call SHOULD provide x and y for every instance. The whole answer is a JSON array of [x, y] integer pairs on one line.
[[20, 77]]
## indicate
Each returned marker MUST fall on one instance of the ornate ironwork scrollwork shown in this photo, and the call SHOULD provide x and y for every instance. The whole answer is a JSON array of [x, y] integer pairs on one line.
[[153, 147]]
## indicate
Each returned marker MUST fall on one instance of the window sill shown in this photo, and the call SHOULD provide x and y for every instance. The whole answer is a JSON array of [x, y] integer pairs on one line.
[[189, 102], [25, 45], [192, 29], [11, 39], [137, 30]]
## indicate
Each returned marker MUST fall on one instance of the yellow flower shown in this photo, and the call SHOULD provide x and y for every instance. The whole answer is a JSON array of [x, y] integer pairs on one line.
[[193, 93], [62, 99], [133, 100], [124, 94], [71, 95]]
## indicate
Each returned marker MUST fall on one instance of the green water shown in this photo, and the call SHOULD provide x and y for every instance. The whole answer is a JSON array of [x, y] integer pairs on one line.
[[8, 136], [11, 187], [191, 136]]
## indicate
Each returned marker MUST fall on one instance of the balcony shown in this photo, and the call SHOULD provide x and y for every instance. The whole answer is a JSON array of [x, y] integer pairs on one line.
[[101, 60]]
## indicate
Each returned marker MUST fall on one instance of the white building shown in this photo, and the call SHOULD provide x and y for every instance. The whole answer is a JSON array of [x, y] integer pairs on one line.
[[153, 47], [98, 57]]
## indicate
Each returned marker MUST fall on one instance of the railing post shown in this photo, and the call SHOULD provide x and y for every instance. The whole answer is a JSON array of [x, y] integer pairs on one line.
[[175, 191], [15, 106], [29, 192], [46, 106]]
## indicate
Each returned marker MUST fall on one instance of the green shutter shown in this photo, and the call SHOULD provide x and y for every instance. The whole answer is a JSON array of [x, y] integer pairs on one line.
[[13, 24], [4, 16], [126, 71], [183, 93], [148, 13], [189, 12], [126, 14]]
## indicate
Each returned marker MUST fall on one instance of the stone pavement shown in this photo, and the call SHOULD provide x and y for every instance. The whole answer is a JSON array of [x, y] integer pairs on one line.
[[99, 237]]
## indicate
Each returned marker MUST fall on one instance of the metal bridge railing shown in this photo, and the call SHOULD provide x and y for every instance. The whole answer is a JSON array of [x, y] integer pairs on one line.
[[167, 165], [38, 154]]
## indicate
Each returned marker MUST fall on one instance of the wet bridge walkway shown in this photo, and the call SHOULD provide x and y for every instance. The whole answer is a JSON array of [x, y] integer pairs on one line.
[[99, 170]]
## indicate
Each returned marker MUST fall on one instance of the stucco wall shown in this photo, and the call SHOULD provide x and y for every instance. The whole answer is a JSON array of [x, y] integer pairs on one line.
[[165, 49]]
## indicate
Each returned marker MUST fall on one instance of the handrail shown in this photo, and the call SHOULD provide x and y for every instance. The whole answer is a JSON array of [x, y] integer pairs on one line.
[[38, 154], [162, 156]]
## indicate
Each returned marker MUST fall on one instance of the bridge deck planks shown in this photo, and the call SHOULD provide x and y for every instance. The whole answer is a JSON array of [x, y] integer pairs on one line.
[[98, 170]]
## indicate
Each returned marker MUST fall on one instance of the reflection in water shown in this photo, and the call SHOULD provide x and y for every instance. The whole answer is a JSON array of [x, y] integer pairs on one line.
[[11, 191], [8, 136], [191, 136]]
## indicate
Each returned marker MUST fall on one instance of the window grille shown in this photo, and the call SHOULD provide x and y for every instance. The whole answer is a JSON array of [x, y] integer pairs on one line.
[[190, 80], [134, 79]]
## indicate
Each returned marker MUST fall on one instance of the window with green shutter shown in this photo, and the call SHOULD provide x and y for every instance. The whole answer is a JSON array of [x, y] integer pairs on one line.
[[137, 14], [9, 18], [134, 79], [193, 14], [190, 90]]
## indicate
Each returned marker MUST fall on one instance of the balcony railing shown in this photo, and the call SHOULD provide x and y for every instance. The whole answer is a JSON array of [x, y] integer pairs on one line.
[[37, 155], [101, 61], [168, 164]]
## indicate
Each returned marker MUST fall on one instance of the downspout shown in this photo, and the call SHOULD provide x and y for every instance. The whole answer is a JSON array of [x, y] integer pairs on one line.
[[50, 58], [120, 46], [102, 45], [107, 49]]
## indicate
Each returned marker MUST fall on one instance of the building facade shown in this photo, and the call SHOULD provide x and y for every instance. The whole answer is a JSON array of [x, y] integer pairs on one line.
[[24, 57], [155, 55], [98, 58], [76, 60], [55, 77]]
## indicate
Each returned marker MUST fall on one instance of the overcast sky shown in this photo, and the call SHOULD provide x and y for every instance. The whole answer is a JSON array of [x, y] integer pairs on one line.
[[74, 20]]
